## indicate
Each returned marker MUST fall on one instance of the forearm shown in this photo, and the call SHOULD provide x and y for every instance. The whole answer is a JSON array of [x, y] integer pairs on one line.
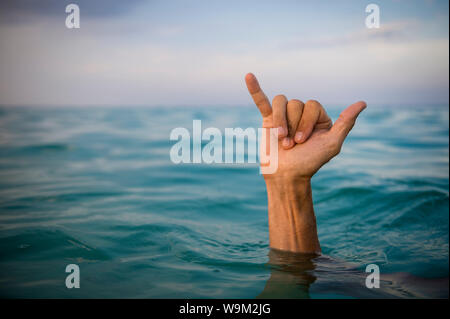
[[292, 223]]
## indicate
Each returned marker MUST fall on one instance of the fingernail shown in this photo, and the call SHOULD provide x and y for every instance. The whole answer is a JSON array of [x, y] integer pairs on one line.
[[281, 131], [298, 136], [286, 141]]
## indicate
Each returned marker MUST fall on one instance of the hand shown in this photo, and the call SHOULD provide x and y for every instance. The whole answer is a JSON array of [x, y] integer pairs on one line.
[[308, 138]]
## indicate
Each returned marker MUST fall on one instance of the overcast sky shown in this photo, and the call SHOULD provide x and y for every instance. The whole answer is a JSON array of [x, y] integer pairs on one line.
[[198, 52]]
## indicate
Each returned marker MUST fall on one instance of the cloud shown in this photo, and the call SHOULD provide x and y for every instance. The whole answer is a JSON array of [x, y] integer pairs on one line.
[[90, 70], [399, 31], [134, 59]]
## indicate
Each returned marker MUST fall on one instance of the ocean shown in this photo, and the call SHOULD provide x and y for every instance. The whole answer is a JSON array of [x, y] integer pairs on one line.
[[96, 187]]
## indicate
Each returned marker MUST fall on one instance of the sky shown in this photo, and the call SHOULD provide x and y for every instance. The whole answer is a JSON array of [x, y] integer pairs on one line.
[[175, 53]]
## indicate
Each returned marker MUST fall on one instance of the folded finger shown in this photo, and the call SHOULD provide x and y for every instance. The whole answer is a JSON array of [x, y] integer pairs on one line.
[[294, 112], [279, 104], [314, 116]]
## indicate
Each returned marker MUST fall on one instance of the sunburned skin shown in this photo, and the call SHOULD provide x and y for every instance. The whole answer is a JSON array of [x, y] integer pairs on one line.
[[308, 141]]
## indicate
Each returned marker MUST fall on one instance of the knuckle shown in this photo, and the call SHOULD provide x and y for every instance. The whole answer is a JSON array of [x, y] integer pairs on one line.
[[279, 98], [296, 102], [346, 121], [335, 146], [278, 121], [313, 105], [259, 99], [342, 118], [312, 102]]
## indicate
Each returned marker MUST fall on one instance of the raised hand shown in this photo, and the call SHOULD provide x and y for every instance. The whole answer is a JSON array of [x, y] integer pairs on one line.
[[308, 138]]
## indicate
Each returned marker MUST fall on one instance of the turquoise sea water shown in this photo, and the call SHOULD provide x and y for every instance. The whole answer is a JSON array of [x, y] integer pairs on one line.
[[96, 187]]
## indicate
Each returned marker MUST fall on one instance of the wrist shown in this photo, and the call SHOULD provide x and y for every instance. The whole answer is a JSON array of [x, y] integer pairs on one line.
[[292, 223], [287, 184]]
